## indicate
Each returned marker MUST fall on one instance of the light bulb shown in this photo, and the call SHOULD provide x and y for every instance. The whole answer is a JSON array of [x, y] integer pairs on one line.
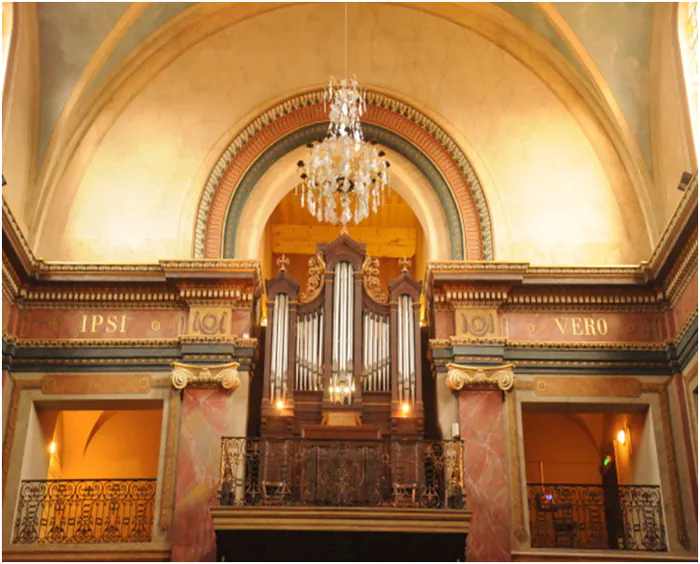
[[280, 404], [405, 408], [52, 447], [621, 436]]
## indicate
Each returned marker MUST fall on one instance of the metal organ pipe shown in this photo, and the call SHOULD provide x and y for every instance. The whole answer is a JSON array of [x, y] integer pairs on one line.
[[297, 348], [285, 344], [280, 348], [401, 342], [411, 348], [317, 376], [387, 354], [406, 350], [343, 328], [343, 304], [376, 352], [336, 327], [349, 367]]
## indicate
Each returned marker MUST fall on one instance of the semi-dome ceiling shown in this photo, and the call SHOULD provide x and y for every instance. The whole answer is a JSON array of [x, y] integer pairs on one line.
[[137, 101]]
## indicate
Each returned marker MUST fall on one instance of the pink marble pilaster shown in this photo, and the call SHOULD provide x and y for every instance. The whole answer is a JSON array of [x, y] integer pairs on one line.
[[481, 418], [203, 423]]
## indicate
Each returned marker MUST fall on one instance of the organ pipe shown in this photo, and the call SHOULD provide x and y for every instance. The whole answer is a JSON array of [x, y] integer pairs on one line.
[[375, 352], [343, 337], [406, 350], [280, 348]]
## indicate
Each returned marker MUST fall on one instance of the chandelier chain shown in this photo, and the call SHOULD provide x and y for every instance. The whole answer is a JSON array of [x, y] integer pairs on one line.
[[345, 177]]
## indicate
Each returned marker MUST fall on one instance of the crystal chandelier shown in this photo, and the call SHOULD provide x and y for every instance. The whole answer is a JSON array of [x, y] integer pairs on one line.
[[345, 175]]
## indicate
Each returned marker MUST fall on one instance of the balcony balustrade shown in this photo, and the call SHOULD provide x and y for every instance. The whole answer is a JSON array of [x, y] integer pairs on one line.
[[84, 511], [342, 473], [584, 516]]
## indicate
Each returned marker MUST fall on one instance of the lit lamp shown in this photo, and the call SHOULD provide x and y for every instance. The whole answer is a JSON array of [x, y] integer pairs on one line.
[[622, 436], [405, 408], [52, 447], [279, 405]]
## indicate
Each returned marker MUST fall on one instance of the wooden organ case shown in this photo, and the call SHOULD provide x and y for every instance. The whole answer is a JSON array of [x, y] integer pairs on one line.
[[343, 356]]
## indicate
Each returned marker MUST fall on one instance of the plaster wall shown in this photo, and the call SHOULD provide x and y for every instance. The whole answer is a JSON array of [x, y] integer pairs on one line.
[[562, 447], [557, 194], [36, 452], [20, 116], [671, 135], [108, 444]]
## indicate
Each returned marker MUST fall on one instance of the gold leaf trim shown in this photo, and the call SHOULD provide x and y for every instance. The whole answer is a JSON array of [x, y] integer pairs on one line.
[[370, 280], [316, 279]]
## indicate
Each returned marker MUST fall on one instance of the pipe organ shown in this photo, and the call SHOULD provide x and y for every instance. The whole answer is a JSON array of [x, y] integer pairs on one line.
[[344, 354]]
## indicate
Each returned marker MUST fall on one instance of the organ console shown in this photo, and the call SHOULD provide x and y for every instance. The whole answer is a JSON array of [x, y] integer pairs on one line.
[[343, 355]]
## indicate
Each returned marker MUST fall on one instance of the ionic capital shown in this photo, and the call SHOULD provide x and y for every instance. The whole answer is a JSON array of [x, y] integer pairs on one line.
[[224, 375], [460, 376]]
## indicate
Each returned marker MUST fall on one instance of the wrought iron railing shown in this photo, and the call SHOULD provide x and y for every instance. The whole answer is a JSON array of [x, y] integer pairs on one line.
[[596, 517], [362, 473], [84, 511]]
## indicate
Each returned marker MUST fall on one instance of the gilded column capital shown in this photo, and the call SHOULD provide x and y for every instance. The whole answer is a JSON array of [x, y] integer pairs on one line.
[[224, 375], [460, 376]]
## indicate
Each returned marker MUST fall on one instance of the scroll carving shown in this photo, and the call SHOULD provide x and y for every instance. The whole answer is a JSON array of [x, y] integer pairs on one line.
[[224, 375], [314, 284], [479, 377], [370, 280]]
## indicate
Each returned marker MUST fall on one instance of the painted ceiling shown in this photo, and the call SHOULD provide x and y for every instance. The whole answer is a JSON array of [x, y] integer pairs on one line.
[[616, 35]]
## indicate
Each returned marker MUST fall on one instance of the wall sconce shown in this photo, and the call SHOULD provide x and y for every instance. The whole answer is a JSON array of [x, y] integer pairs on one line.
[[624, 439], [52, 447], [622, 436]]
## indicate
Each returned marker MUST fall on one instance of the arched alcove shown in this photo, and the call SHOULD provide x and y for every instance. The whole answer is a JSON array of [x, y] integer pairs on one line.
[[274, 222]]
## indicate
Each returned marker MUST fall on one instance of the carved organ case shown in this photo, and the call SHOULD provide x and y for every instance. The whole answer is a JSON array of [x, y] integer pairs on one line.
[[343, 356]]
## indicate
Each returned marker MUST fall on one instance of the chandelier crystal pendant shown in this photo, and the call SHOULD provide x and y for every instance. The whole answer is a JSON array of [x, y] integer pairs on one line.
[[345, 176]]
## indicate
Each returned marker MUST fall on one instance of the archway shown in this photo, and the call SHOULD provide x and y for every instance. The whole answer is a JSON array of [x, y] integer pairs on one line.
[[461, 205]]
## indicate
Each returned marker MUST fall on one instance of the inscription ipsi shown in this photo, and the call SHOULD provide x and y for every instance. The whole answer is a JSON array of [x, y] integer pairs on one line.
[[580, 326], [96, 323]]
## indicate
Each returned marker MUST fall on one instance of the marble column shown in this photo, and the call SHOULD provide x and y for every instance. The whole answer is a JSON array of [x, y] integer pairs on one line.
[[209, 411], [481, 415]]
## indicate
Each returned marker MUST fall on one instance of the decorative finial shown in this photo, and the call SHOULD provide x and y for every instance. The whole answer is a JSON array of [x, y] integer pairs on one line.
[[282, 262], [404, 263]]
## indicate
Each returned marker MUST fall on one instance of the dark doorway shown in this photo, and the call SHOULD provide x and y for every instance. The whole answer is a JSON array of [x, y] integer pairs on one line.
[[339, 546]]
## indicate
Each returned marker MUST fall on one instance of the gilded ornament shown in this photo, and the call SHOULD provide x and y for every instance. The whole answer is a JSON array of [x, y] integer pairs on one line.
[[370, 280], [473, 377], [226, 376], [314, 284]]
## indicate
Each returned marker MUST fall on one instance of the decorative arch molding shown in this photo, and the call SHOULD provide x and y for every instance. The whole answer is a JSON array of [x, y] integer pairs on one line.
[[394, 123]]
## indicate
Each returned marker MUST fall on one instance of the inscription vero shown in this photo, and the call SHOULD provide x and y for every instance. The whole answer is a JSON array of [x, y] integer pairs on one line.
[[582, 326]]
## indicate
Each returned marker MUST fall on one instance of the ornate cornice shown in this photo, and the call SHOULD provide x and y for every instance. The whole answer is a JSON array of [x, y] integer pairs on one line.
[[547, 345], [684, 269], [588, 346], [21, 343], [692, 318], [224, 375], [675, 225], [478, 341], [15, 232], [461, 377]]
